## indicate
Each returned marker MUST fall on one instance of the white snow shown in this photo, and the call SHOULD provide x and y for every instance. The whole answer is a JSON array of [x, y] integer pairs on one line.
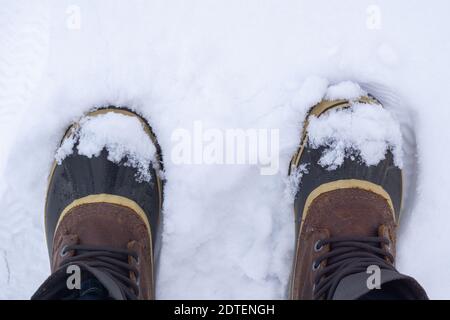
[[123, 137], [368, 131], [294, 182], [345, 90], [228, 231]]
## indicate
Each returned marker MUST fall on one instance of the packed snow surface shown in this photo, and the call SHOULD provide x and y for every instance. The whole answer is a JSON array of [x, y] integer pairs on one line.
[[123, 137], [228, 231], [362, 130]]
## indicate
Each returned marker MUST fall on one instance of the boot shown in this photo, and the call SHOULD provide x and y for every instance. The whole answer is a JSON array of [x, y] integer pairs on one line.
[[346, 222], [102, 220]]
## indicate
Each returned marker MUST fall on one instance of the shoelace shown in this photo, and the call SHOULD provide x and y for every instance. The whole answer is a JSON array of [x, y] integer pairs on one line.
[[111, 262], [347, 255]]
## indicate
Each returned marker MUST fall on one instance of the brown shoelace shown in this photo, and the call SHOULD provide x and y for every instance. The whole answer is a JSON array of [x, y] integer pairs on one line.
[[347, 256], [110, 263]]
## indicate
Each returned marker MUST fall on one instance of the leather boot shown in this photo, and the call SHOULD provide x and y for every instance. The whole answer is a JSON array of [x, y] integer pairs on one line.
[[346, 222], [101, 220]]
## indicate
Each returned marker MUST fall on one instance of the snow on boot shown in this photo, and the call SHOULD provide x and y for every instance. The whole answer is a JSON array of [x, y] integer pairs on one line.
[[348, 204], [103, 209]]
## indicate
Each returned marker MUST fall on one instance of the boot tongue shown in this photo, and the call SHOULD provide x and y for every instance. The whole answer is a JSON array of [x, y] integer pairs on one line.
[[92, 289], [393, 285], [95, 286], [102, 280]]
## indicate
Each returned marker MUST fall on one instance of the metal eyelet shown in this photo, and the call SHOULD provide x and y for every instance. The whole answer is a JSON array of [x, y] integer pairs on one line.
[[318, 246], [315, 266], [63, 251]]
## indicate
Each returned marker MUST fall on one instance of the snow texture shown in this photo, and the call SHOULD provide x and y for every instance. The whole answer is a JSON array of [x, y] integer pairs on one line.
[[362, 131], [123, 137], [228, 231], [294, 182], [345, 90]]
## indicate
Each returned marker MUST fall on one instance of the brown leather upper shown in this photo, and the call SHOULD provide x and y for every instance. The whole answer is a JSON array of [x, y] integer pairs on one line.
[[112, 225], [338, 213]]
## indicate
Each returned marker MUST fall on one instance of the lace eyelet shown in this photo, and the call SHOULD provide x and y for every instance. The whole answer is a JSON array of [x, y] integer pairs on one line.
[[315, 266], [318, 246], [63, 251]]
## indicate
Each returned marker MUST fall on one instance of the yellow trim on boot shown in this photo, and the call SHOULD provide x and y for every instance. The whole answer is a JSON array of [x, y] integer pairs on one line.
[[107, 198], [346, 184], [117, 200]]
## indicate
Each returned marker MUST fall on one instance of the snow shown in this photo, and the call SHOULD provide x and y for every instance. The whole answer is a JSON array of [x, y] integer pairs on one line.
[[228, 230], [294, 182], [123, 137], [363, 130], [344, 90]]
